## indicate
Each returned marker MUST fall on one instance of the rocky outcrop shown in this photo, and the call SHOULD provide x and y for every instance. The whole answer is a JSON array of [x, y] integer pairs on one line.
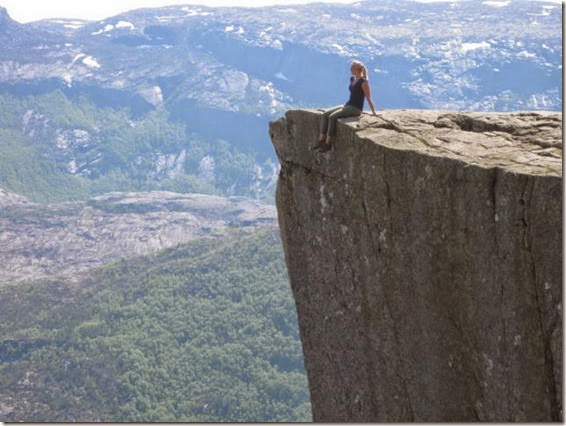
[[9, 198], [425, 257], [38, 240]]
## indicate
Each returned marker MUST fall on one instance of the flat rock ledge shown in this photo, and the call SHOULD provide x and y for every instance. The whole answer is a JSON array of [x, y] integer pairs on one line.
[[425, 257]]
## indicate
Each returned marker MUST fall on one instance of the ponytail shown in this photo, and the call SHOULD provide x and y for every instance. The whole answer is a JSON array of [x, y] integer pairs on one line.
[[361, 67]]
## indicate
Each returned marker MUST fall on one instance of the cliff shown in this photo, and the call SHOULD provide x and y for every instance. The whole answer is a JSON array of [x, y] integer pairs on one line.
[[425, 257]]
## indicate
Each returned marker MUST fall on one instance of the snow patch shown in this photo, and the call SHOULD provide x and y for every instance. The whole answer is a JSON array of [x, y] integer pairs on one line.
[[194, 12], [467, 47], [107, 28], [370, 38], [125, 24], [277, 45], [79, 56], [166, 18], [232, 28], [74, 25], [268, 39], [67, 78], [119, 25], [497, 3], [341, 50], [89, 61], [153, 95]]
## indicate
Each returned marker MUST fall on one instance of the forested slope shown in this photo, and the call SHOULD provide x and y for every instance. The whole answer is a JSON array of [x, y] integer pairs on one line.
[[58, 146], [203, 332]]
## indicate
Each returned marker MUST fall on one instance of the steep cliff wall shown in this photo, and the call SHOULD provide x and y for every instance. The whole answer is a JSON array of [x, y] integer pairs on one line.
[[425, 257]]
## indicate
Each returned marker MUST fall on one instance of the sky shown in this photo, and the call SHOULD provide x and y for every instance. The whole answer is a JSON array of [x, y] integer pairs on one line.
[[33, 10]]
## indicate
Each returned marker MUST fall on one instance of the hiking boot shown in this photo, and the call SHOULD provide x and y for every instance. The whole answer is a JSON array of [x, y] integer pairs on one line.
[[318, 145], [326, 147]]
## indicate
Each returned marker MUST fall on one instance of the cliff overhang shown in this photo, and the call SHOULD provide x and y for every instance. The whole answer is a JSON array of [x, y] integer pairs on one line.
[[425, 257]]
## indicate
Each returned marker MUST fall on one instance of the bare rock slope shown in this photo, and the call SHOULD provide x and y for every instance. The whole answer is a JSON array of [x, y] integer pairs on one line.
[[425, 257], [39, 240]]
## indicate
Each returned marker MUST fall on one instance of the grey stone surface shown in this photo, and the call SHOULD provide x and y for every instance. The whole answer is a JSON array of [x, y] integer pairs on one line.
[[425, 257], [40, 240]]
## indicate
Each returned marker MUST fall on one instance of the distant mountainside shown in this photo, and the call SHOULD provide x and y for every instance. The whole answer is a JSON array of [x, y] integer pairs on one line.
[[46, 240], [182, 77], [259, 61], [203, 332]]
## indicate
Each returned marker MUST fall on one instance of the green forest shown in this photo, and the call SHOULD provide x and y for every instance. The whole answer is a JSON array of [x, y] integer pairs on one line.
[[203, 332], [55, 147]]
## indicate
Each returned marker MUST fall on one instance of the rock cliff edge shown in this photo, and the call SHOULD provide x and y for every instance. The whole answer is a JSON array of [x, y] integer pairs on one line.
[[425, 257]]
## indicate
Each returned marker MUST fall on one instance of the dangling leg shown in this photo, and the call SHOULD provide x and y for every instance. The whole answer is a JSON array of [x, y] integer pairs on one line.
[[345, 111], [324, 126]]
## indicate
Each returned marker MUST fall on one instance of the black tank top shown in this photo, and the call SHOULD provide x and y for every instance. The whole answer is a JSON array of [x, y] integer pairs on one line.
[[357, 96]]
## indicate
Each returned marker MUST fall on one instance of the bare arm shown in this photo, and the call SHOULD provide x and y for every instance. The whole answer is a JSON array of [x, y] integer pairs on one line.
[[367, 93]]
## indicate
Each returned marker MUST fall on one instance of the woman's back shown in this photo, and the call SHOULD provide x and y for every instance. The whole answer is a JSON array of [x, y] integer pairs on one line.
[[357, 95]]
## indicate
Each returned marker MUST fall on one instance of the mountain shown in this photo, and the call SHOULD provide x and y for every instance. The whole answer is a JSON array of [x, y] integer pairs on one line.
[[46, 240], [184, 77], [202, 332], [59, 149], [258, 61]]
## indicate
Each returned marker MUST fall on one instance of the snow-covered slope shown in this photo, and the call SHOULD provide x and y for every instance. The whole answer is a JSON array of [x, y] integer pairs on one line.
[[461, 54]]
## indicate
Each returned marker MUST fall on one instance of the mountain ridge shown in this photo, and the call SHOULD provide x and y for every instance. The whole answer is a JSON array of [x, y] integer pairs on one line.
[[41, 240], [169, 28]]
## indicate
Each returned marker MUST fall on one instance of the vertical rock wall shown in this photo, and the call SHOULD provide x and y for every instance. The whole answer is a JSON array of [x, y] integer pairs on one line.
[[425, 257]]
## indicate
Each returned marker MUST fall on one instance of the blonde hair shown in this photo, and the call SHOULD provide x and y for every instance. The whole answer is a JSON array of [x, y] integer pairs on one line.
[[360, 66]]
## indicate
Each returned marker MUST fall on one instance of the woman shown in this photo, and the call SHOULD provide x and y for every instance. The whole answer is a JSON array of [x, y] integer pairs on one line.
[[359, 91]]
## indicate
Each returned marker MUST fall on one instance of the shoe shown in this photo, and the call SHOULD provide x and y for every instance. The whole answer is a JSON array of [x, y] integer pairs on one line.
[[326, 147], [318, 145]]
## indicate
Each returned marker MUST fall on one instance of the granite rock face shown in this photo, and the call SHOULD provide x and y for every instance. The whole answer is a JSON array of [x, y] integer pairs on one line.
[[425, 257], [41, 240]]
